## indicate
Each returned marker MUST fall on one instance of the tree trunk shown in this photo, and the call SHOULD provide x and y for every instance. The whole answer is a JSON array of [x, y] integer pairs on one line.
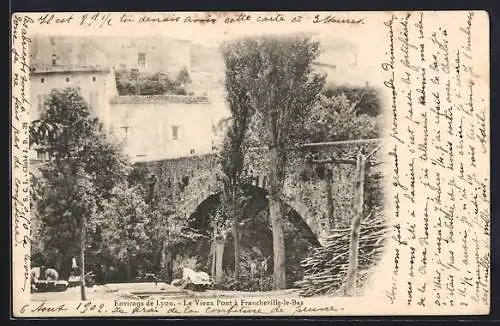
[[236, 242], [236, 235], [129, 276], [169, 267], [166, 259], [166, 263], [219, 254], [352, 270], [82, 259], [214, 256], [275, 215], [279, 275], [163, 260], [329, 199]]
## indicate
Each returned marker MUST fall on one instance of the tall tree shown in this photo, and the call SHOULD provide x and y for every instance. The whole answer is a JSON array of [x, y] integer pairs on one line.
[[238, 70], [124, 215], [168, 229], [220, 223], [282, 88], [82, 170], [167, 225]]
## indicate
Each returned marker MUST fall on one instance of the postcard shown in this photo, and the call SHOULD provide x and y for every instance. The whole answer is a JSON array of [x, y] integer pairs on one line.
[[179, 164]]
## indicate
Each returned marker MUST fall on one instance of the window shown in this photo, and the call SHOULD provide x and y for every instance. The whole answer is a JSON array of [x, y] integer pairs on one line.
[[141, 60], [93, 78], [191, 151], [42, 80], [54, 59], [67, 79], [125, 132], [175, 132]]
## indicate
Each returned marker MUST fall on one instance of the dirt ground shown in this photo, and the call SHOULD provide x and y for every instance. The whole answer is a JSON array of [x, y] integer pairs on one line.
[[145, 290]]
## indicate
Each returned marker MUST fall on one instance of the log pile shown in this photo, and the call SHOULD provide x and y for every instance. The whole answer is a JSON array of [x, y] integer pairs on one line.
[[326, 268]]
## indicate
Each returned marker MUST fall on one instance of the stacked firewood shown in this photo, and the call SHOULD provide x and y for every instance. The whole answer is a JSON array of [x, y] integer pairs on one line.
[[325, 270]]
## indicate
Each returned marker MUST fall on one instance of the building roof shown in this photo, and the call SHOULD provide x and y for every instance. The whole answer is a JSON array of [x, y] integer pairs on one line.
[[40, 69], [147, 99]]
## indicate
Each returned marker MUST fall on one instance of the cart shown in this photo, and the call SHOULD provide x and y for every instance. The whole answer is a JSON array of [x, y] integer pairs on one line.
[[49, 286]]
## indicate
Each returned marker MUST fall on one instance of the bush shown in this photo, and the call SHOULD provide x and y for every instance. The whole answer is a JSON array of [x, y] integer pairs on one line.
[[245, 283], [150, 84]]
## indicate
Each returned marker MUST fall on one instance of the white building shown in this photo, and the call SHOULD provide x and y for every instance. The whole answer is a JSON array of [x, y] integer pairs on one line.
[[164, 126], [96, 85], [150, 127], [148, 54]]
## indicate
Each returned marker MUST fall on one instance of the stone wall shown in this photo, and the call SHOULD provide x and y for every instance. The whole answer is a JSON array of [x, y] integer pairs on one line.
[[188, 181]]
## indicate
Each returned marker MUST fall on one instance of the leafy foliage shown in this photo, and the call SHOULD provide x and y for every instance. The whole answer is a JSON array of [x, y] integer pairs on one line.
[[281, 85], [366, 99], [89, 185], [277, 80], [72, 137], [67, 197], [129, 83], [123, 223], [246, 283], [71, 187], [336, 117], [166, 224], [239, 69], [231, 157]]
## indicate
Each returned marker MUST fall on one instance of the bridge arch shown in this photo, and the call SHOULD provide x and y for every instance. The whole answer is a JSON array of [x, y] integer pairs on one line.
[[213, 187], [256, 240], [293, 210]]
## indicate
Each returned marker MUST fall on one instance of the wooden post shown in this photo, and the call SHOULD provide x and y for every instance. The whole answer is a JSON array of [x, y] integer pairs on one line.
[[329, 199], [220, 242], [214, 252], [219, 254], [352, 270]]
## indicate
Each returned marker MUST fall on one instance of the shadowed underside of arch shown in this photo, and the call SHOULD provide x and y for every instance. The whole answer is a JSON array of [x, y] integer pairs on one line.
[[255, 234], [200, 218]]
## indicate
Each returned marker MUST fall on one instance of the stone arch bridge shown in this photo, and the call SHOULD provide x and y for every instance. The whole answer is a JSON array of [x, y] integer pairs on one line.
[[187, 181]]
